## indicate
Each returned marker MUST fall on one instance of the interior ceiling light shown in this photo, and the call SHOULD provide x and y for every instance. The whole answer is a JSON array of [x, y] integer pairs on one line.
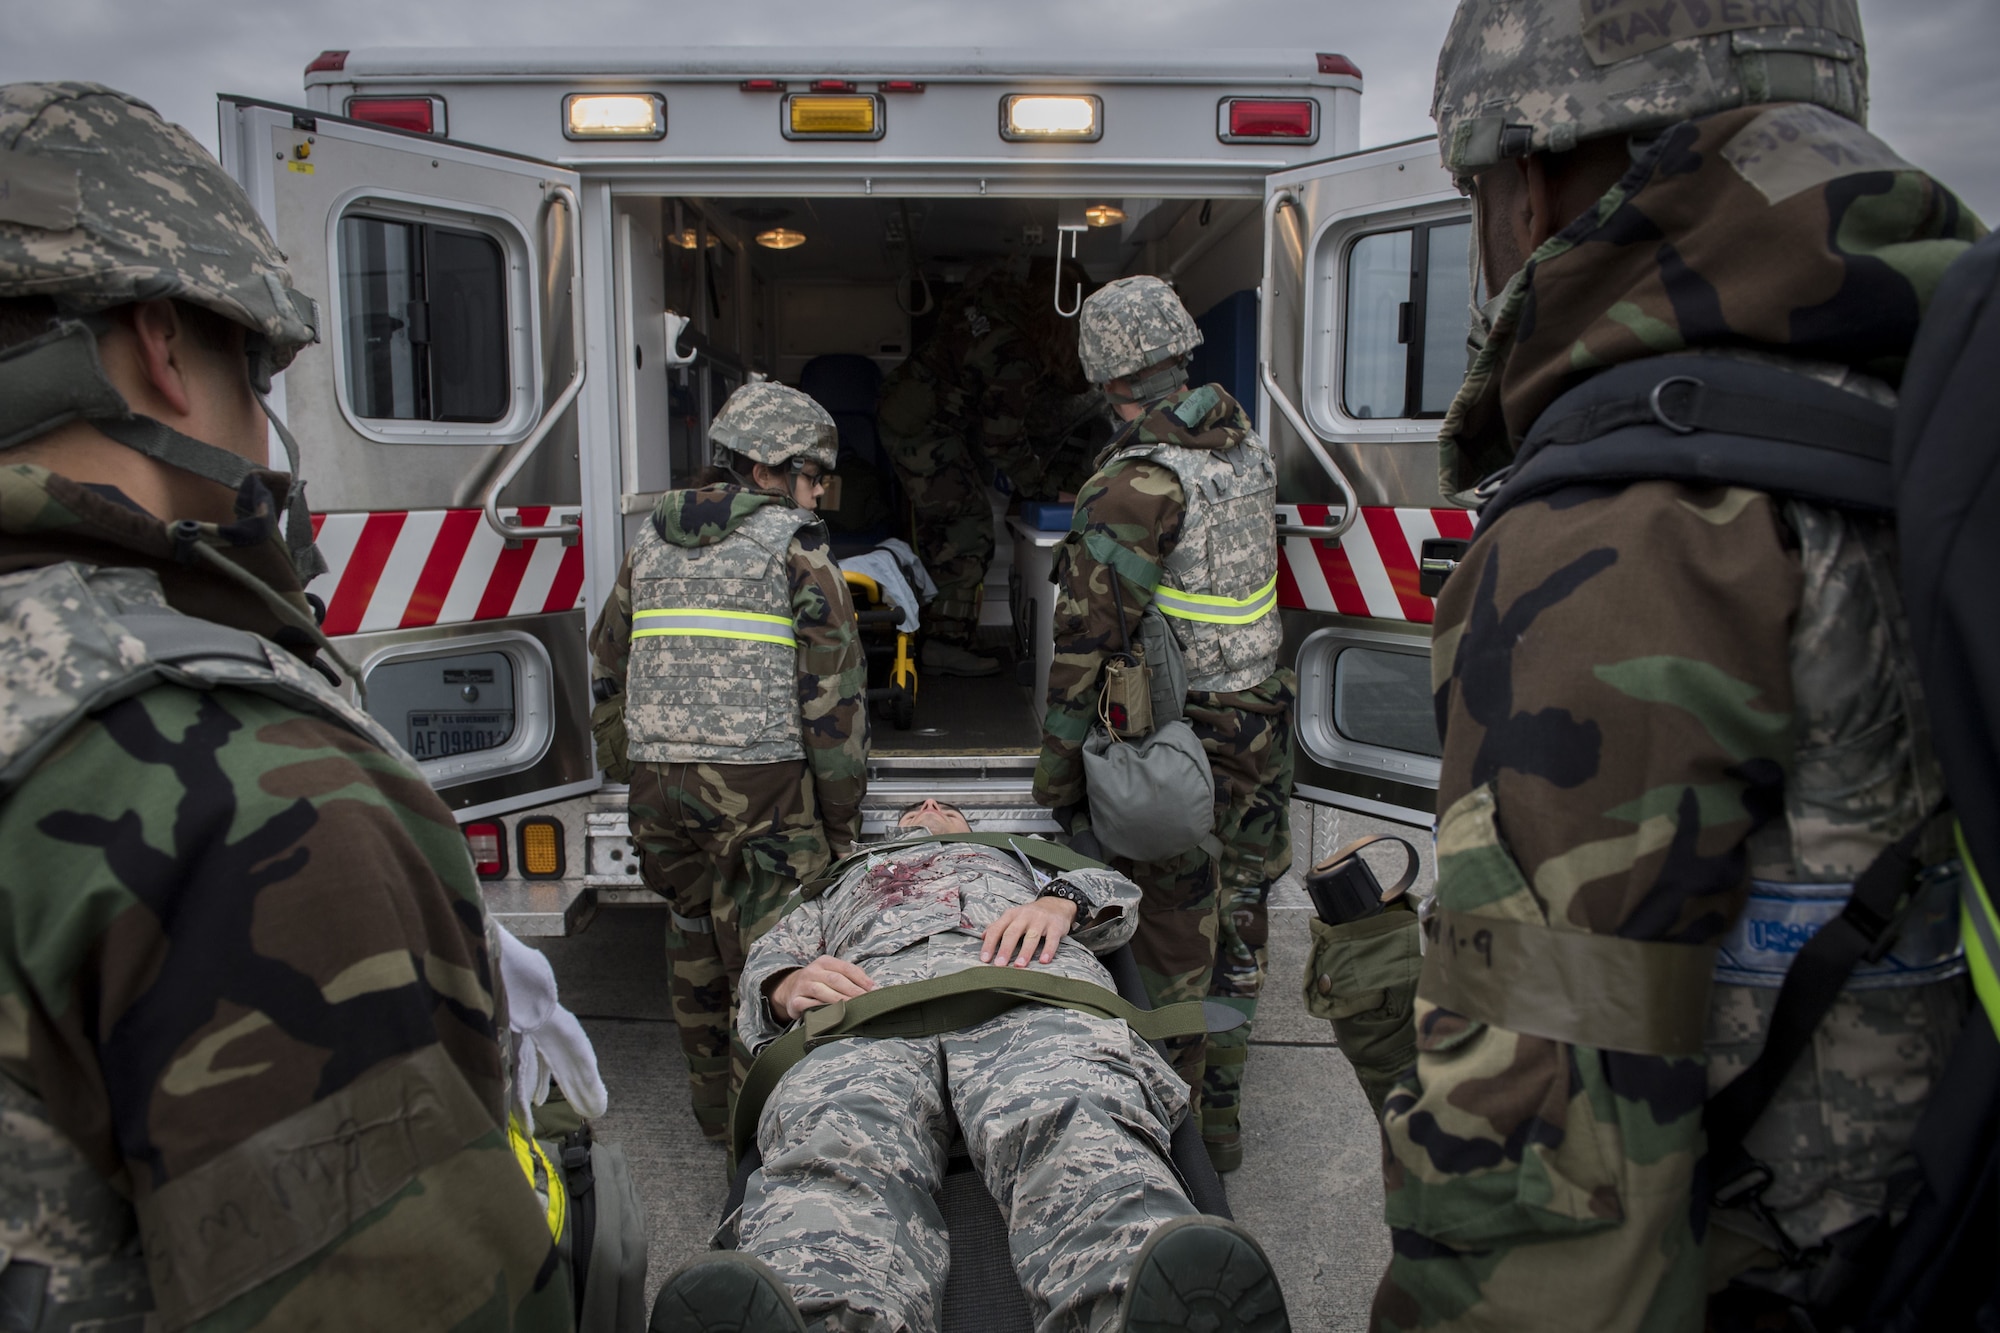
[[689, 238], [615, 116], [1103, 215], [1036, 116], [781, 238]]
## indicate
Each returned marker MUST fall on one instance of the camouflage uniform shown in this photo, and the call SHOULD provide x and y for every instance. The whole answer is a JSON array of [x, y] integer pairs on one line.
[[238, 930], [728, 817], [1203, 928], [995, 387], [251, 1066], [1615, 782], [1067, 1117]]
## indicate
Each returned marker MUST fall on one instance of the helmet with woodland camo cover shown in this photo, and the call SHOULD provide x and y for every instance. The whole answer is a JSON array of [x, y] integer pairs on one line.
[[1518, 77], [103, 203], [1129, 325], [772, 424]]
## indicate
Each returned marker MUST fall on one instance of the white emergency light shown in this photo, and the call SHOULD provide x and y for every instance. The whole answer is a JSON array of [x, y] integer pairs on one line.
[[1040, 117], [614, 116]]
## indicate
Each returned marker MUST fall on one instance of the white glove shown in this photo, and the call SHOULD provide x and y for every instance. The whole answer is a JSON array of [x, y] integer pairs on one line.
[[547, 1038]]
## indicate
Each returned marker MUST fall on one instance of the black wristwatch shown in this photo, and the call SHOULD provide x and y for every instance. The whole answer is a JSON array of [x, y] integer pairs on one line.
[[1056, 888]]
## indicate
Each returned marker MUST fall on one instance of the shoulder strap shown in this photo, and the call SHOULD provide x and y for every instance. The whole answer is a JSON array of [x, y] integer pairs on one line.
[[1865, 928], [1049, 855], [942, 1004], [1707, 420]]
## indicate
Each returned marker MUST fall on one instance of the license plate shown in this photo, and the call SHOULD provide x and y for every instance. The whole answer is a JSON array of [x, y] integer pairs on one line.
[[436, 735]]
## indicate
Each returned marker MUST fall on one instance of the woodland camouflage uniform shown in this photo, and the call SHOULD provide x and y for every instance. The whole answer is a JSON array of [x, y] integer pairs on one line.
[[723, 841], [1625, 776], [250, 1057], [1202, 928], [1067, 1116], [995, 386]]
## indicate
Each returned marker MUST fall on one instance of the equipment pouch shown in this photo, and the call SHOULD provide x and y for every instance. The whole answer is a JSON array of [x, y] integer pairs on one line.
[[1126, 703], [607, 729], [1150, 799], [1362, 977]]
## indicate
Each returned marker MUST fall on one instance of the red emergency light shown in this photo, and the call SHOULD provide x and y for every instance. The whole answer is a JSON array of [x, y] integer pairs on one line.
[[902, 86], [328, 62], [763, 85], [1267, 120], [1270, 119], [420, 115], [1333, 64], [487, 841], [832, 86]]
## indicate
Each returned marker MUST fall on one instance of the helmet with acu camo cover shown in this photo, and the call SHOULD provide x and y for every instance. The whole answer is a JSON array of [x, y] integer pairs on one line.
[[773, 424], [103, 203], [1131, 324], [1518, 77]]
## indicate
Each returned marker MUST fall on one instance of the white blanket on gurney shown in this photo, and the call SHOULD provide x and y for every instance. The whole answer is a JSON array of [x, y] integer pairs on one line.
[[895, 567]]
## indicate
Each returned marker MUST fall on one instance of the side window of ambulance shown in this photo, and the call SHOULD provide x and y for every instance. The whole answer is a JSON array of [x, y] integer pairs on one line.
[[1406, 321], [425, 310]]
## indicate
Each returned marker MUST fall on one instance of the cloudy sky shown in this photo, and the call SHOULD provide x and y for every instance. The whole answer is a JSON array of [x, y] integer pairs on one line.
[[1936, 88]]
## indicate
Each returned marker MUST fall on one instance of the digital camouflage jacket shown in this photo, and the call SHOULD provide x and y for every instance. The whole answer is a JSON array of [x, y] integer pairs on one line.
[[250, 1069], [831, 672], [1649, 695], [1128, 523], [906, 913]]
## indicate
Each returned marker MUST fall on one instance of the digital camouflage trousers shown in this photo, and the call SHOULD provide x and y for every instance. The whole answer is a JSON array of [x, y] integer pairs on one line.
[[724, 844], [1204, 925], [1066, 1117]]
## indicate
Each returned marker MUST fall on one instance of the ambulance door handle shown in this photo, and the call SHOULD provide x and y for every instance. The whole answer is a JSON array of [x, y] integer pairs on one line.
[[569, 532], [1350, 508]]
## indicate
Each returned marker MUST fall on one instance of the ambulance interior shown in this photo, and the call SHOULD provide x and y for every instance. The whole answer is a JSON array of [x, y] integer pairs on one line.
[[830, 294]]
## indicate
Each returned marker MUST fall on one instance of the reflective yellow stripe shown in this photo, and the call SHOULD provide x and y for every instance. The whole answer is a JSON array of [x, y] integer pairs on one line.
[[1217, 610], [528, 1153], [703, 623], [1980, 928]]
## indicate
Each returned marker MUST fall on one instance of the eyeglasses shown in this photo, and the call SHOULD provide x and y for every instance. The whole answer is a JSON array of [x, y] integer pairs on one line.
[[819, 479]]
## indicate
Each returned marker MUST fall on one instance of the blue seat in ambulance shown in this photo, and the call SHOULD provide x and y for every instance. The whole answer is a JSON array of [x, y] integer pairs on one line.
[[871, 506]]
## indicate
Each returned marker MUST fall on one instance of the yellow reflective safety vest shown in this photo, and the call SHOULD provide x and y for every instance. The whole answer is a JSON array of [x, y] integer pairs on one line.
[[713, 675], [1220, 592]]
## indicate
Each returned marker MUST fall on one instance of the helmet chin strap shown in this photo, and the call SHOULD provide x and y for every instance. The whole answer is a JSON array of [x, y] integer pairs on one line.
[[58, 378]]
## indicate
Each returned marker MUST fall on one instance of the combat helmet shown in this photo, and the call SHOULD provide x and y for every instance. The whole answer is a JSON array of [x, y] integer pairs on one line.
[[778, 426], [1131, 324], [1518, 77], [106, 204]]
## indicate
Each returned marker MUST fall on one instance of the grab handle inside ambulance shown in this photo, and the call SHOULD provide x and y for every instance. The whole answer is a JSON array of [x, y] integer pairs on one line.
[[490, 503], [1350, 508]]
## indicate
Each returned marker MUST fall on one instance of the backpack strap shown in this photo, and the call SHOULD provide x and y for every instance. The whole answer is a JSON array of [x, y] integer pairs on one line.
[[1051, 856], [1707, 420], [942, 1004]]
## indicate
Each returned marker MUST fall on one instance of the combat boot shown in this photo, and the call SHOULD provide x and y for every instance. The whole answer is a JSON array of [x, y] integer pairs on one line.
[[949, 659], [1202, 1274], [725, 1292]]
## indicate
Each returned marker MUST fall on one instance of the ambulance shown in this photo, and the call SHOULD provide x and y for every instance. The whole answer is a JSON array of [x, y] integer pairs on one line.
[[541, 272]]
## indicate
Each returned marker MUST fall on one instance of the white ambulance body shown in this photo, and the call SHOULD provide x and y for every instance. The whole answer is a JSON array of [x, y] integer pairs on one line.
[[523, 342]]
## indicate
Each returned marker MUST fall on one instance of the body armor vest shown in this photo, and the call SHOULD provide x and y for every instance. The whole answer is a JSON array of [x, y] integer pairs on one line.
[[1220, 592], [112, 636], [713, 675]]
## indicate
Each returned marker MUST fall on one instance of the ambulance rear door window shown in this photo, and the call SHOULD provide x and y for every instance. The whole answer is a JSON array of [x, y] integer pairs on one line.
[[424, 310], [1407, 314]]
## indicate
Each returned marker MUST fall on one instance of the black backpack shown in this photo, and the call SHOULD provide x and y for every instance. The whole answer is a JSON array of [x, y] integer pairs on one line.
[[1932, 464]]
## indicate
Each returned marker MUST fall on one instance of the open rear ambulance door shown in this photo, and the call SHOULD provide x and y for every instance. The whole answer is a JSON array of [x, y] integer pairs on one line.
[[1366, 307], [437, 426]]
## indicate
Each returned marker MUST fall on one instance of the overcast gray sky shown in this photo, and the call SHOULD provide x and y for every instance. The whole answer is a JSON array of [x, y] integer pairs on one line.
[[1936, 89]]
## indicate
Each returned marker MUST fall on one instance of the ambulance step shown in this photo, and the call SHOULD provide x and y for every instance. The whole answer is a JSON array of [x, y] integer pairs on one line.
[[548, 907]]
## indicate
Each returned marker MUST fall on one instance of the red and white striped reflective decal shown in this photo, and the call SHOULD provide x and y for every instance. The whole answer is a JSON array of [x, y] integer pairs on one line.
[[404, 569], [1372, 571]]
